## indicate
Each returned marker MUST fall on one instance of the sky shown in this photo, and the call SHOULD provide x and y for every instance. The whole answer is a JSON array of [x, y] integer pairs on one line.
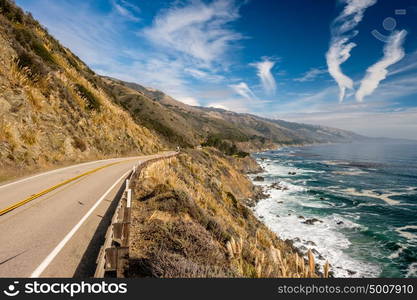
[[350, 64]]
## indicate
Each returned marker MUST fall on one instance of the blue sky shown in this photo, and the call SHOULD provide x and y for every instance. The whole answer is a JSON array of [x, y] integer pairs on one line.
[[350, 64]]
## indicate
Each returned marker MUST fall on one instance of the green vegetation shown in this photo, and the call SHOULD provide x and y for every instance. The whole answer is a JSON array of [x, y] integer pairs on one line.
[[189, 220], [224, 146], [92, 102], [46, 101], [42, 52], [12, 12], [27, 61]]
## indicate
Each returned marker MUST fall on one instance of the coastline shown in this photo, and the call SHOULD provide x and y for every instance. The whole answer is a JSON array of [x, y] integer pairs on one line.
[[202, 196], [291, 226], [341, 201]]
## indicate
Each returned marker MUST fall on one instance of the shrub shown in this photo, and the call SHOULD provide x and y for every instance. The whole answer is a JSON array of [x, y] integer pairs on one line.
[[79, 144], [26, 60], [224, 146], [13, 13], [42, 52], [92, 102], [23, 36]]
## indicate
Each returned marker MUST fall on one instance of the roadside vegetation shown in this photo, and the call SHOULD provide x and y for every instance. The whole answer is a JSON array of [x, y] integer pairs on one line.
[[190, 220]]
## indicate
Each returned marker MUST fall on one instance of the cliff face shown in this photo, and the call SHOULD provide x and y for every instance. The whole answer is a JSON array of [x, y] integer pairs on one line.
[[189, 220], [53, 108]]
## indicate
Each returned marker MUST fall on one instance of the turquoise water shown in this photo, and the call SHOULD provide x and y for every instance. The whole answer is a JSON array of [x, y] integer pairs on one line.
[[363, 195]]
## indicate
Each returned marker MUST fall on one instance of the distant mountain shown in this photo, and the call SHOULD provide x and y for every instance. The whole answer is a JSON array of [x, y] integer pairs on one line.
[[186, 125]]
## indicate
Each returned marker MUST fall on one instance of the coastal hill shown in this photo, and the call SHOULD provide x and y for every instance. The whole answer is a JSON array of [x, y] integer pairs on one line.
[[53, 108], [186, 125]]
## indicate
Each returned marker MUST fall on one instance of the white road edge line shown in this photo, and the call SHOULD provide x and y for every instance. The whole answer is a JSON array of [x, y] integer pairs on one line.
[[45, 263], [54, 171]]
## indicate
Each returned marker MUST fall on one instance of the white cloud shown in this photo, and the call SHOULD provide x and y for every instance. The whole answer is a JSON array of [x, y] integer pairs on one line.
[[409, 63], [198, 30], [235, 105], [340, 47], [187, 100], [203, 75], [393, 52], [122, 8], [393, 123], [264, 73], [218, 105], [243, 90], [311, 75]]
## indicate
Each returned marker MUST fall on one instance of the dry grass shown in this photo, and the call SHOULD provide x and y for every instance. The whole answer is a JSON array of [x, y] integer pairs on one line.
[[203, 190], [45, 121]]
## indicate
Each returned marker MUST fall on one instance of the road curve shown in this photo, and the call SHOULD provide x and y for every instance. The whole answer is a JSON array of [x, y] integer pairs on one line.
[[58, 232]]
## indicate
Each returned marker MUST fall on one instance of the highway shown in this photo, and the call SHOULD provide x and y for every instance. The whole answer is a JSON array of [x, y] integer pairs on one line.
[[52, 224]]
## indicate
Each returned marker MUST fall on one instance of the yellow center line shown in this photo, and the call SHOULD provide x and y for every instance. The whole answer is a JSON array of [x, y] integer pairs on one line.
[[33, 197]]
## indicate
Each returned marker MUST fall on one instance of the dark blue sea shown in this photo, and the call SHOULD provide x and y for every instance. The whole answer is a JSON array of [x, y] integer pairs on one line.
[[354, 205]]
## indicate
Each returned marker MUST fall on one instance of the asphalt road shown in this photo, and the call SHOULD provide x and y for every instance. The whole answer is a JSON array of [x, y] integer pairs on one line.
[[59, 233]]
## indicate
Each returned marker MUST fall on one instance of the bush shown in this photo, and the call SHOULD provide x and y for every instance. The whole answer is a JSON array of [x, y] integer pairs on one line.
[[42, 52], [12, 12], [79, 144], [23, 36], [224, 146], [92, 101], [26, 60]]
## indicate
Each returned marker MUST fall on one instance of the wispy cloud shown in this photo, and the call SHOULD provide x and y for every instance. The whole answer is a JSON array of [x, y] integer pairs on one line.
[[204, 75], [264, 68], [311, 74], [393, 52], [243, 90], [197, 30], [188, 100], [400, 123], [167, 63], [125, 9], [340, 47], [409, 63]]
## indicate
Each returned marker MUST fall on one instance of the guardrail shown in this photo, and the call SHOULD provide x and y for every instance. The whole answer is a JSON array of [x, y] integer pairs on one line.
[[114, 254]]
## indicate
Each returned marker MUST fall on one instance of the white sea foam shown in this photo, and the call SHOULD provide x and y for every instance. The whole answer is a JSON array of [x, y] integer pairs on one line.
[[405, 232], [397, 252], [323, 237], [372, 194], [412, 270], [349, 172]]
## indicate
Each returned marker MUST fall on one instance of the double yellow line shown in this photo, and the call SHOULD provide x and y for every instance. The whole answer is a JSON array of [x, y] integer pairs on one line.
[[20, 203]]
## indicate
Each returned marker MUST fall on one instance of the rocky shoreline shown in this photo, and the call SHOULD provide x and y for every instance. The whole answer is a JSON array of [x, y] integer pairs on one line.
[[263, 192]]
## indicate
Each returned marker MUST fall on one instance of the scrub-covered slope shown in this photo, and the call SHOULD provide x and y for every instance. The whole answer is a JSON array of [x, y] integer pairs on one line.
[[53, 108]]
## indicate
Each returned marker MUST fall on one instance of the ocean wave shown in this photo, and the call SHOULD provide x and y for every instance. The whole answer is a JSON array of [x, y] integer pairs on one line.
[[322, 237], [349, 172], [397, 252], [373, 194], [405, 232], [275, 169], [412, 270]]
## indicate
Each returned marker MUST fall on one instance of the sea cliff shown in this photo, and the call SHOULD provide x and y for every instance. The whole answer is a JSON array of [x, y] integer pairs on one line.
[[191, 218]]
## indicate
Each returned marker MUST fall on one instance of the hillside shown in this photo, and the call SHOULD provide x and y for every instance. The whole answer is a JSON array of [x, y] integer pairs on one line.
[[53, 108], [186, 125], [189, 220]]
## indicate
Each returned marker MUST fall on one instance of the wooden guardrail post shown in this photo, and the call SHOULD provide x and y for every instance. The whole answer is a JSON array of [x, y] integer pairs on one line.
[[114, 254]]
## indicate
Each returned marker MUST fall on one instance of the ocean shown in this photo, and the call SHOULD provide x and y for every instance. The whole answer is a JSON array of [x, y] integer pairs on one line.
[[354, 205]]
